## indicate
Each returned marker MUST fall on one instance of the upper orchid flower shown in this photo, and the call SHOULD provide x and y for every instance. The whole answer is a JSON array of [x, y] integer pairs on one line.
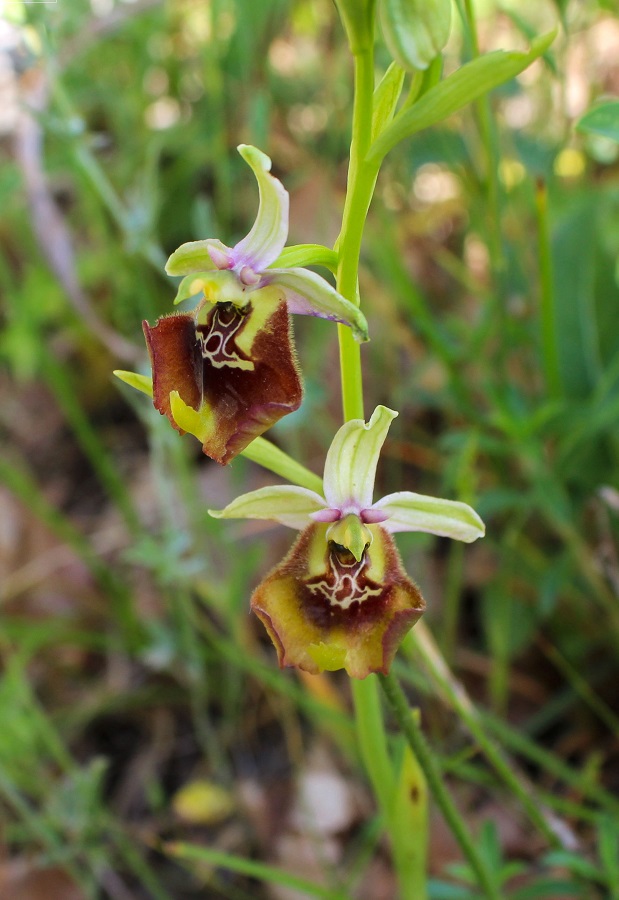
[[341, 598], [227, 371]]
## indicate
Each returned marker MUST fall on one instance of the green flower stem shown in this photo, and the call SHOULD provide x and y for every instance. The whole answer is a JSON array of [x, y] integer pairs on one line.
[[409, 863], [419, 746], [361, 182]]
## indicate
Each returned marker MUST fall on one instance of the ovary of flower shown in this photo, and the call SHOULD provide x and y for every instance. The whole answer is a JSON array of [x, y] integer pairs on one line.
[[341, 598]]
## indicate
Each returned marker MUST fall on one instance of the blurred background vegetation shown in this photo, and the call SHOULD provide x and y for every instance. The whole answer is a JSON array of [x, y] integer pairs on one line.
[[141, 709]]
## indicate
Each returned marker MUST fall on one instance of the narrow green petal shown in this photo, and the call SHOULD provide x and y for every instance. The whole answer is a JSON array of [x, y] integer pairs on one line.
[[299, 255], [308, 294], [140, 382], [286, 504], [268, 234], [351, 462], [194, 257], [416, 512]]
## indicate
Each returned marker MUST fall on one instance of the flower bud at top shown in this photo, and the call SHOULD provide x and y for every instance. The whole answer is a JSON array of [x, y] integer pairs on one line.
[[358, 20], [415, 31]]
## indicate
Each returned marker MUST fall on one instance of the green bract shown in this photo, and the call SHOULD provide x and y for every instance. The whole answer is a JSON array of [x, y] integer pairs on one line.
[[468, 83]]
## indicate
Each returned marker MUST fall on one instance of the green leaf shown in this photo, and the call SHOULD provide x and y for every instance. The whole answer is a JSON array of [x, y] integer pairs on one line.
[[350, 467], [603, 121], [548, 889], [609, 852], [271, 874], [574, 862], [468, 83]]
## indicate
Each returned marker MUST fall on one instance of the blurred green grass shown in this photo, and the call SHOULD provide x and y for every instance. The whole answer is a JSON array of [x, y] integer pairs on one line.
[[490, 279]]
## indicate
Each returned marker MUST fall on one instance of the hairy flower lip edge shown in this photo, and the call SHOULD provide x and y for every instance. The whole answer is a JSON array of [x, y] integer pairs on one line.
[[205, 400], [361, 642], [303, 509]]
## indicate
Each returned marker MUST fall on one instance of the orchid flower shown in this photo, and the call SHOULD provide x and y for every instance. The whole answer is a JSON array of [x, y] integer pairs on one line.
[[227, 371], [341, 598]]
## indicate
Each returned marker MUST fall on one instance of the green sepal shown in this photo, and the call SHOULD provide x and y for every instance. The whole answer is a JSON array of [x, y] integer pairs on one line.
[[193, 257], [468, 83], [267, 236], [287, 504], [309, 294], [416, 512], [350, 467]]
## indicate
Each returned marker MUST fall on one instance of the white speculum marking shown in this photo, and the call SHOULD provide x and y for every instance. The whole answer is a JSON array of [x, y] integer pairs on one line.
[[218, 344], [341, 586]]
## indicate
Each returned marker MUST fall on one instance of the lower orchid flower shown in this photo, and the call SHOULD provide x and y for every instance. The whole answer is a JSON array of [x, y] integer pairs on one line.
[[341, 598], [227, 371]]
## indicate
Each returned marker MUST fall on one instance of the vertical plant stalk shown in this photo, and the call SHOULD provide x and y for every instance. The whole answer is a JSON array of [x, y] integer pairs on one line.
[[368, 714], [418, 744], [488, 134], [361, 181]]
